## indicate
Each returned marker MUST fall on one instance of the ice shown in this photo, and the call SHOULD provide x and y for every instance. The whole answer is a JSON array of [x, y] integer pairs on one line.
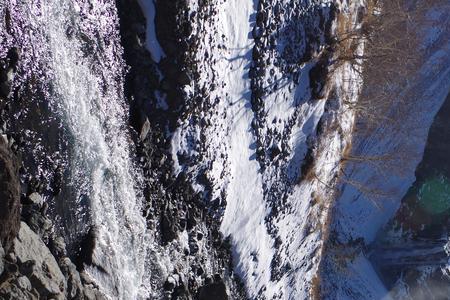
[[245, 211], [151, 41]]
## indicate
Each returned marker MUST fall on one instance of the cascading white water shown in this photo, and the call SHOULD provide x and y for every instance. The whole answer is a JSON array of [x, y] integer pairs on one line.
[[102, 168]]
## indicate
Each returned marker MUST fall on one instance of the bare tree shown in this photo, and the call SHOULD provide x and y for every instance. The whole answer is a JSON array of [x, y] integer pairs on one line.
[[388, 35]]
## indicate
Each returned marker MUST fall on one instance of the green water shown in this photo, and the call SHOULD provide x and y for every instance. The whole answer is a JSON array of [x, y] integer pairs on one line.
[[433, 195]]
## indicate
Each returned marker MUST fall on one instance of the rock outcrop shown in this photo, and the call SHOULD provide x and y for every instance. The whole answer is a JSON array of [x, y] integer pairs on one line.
[[37, 262], [31, 271], [9, 195]]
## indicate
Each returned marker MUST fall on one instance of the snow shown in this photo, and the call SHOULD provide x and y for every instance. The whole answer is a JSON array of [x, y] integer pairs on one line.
[[238, 174], [365, 280], [232, 167], [360, 215], [245, 211], [151, 41]]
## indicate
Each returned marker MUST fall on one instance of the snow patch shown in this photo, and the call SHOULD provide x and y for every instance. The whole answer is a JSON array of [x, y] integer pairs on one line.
[[151, 41]]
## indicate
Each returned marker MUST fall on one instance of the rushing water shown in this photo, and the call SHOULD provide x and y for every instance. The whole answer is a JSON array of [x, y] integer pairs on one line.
[[89, 98]]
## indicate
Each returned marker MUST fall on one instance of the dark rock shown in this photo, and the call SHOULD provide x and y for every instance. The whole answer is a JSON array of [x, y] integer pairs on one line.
[[7, 76], [200, 271], [13, 57], [168, 228], [257, 32], [193, 247], [57, 182], [191, 222], [318, 75], [216, 291], [26, 267], [183, 78], [7, 72], [87, 247], [182, 224], [275, 151], [170, 284], [12, 268], [9, 196]]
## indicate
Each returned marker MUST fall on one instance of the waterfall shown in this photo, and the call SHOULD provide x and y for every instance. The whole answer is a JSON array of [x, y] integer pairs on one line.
[[89, 98]]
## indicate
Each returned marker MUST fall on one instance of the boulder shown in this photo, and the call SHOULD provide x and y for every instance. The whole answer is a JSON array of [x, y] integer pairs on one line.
[[216, 291], [57, 246], [24, 283], [38, 223], [90, 289], [36, 199], [17, 289], [74, 285], [40, 265], [91, 293]]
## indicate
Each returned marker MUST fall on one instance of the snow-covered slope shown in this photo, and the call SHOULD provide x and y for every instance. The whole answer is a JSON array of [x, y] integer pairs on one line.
[[254, 136]]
